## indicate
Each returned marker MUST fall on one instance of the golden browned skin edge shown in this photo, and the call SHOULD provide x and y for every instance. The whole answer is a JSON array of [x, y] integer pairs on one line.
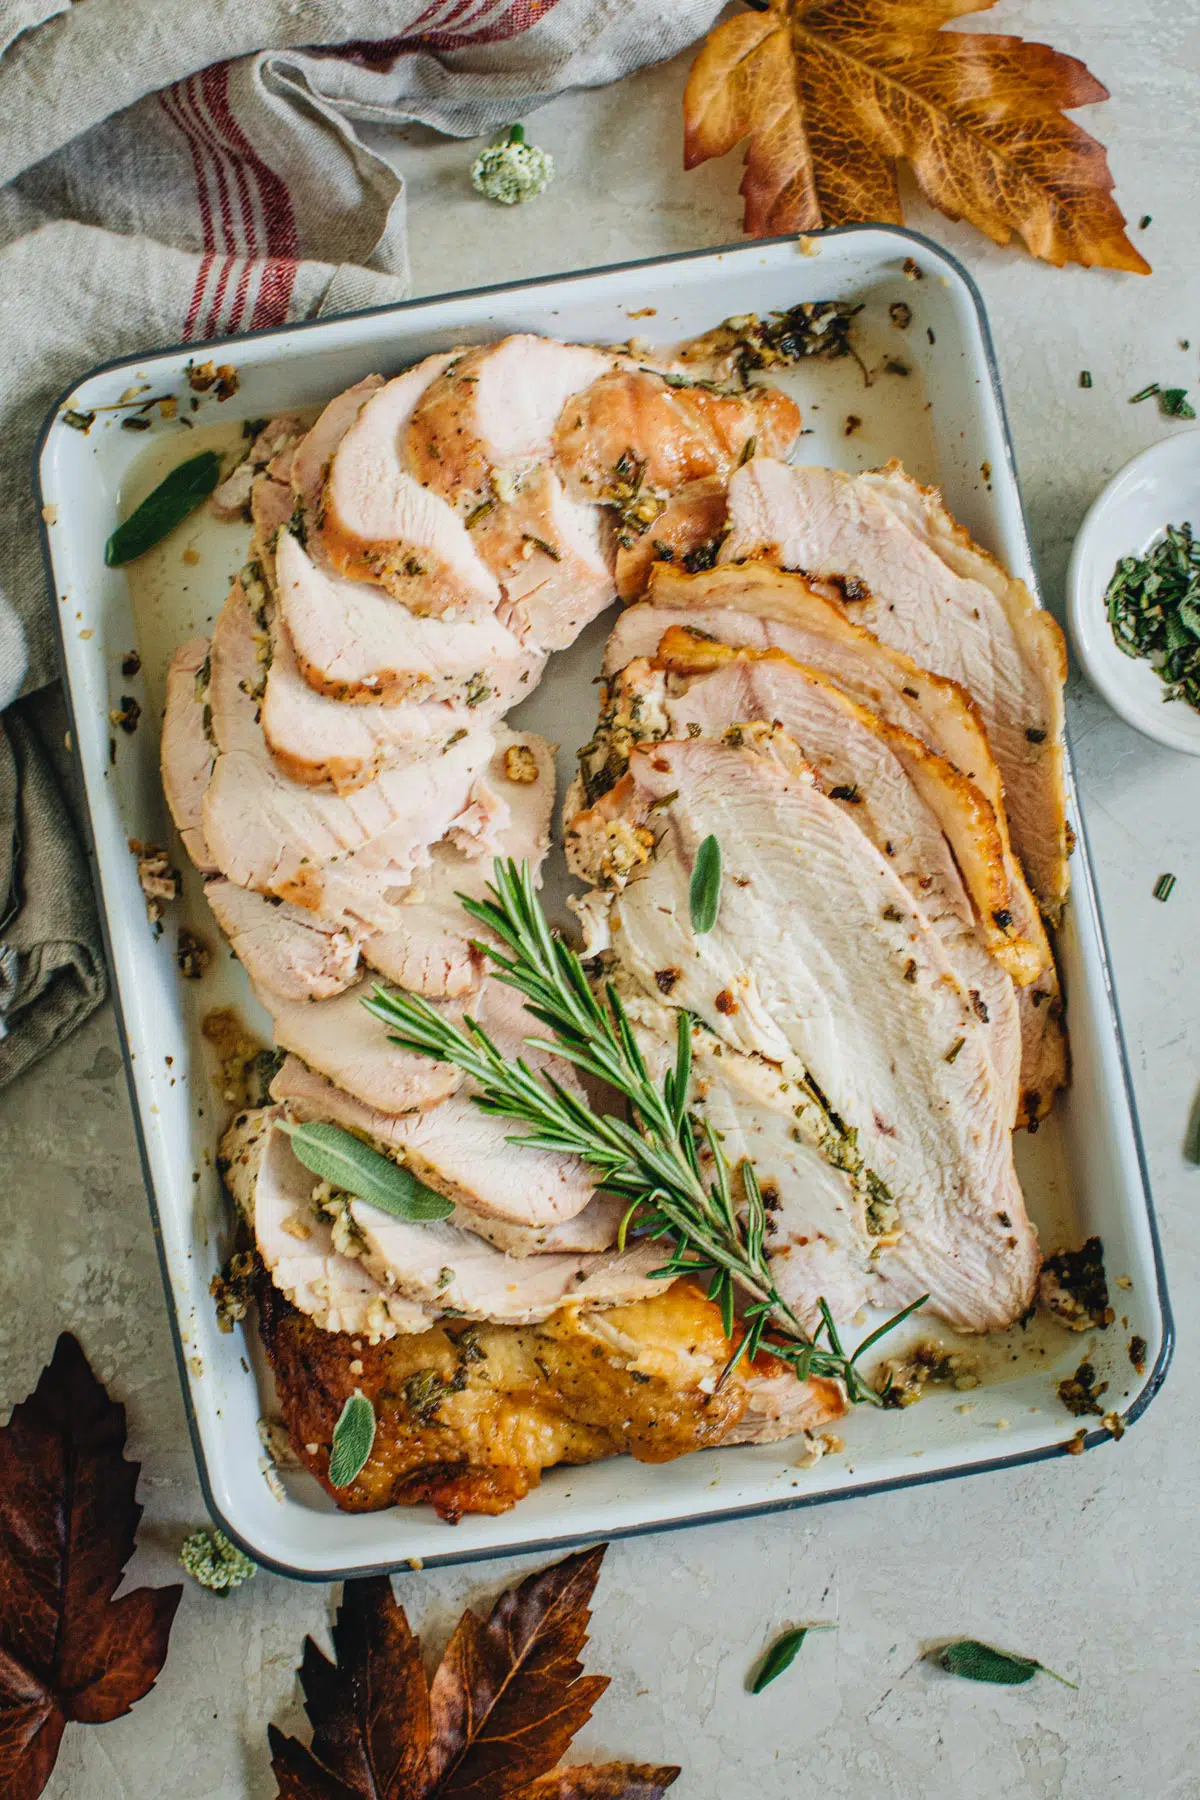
[[469, 1416]]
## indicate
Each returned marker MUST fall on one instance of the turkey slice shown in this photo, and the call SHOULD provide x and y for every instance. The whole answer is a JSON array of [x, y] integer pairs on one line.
[[636, 433], [820, 954], [756, 605], [186, 751], [335, 855], [492, 412], [296, 1241], [344, 1042], [913, 806], [376, 522], [354, 642], [466, 1166], [448, 1270], [937, 596], [317, 740], [462, 1151], [287, 952]]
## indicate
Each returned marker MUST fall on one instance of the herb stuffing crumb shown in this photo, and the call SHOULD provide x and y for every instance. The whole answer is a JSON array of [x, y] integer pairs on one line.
[[126, 715], [902, 1382], [1073, 1289], [233, 1289], [192, 954], [1080, 1393]]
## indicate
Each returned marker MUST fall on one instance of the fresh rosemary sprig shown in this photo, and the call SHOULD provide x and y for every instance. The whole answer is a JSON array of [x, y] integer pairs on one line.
[[651, 1159]]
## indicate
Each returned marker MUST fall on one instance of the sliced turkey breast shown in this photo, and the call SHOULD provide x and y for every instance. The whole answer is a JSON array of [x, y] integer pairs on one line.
[[481, 440], [492, 412], [759, 606], [353, 642], [296, 1240], [309, 1096], [448, 1270], [913, 807], [937, 596], [687, 533], [907, 795], [823, 1222], [287, 952], [424, 940], [428, 948], [635, 432], [376, 522], [313, 453], [1045, 1056], [186, 752], [819, 953], [341, 1040], [231, 499], [551, 555], [317, 740], [454, 1146], [335, 855]]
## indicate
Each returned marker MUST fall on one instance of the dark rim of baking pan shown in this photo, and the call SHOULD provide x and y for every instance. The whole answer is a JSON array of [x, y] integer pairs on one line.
[[911, 239]]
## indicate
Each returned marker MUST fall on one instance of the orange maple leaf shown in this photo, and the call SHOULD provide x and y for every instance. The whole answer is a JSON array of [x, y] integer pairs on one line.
[[832, 96]]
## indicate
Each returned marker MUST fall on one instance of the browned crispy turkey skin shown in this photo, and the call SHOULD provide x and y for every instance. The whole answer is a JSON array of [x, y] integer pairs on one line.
[[468, 1417]]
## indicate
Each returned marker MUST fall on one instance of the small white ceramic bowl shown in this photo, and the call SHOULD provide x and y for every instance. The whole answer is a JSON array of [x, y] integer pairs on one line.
[[1158, 488]]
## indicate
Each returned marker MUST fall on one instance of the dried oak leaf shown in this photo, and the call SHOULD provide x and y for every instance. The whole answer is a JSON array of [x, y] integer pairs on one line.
[[68, 1650], [833, 95], [504, 1704]]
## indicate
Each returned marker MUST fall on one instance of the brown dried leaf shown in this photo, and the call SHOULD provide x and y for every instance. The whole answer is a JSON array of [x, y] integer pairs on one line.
[[832, 95], [68, 1516], [503, 1706]]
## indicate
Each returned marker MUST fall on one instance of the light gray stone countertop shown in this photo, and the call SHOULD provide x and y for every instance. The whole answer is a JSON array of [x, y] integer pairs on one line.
[[1090, 1563]]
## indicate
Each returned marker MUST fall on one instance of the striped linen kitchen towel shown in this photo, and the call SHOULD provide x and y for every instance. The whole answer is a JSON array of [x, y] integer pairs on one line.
[[172, 170]]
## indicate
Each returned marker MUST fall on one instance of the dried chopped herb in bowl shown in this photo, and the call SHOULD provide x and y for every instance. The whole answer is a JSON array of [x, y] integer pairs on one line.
[[1153, 605]]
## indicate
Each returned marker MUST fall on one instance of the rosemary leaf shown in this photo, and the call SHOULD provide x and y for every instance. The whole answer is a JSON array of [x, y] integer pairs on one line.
[[353, 1437], [981, 1662], [782, 1655], [704, 895], [1163, 887], [339, 1157]]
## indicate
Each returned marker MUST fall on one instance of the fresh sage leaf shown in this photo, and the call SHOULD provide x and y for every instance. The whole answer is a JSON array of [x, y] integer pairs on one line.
[[353, 1436], [782, 1655], [339, 1157], [704, 895], [982, 1662], [176, 495]]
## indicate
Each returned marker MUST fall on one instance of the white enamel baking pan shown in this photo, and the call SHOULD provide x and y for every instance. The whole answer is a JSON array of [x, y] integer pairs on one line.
[[1084, 1171]]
